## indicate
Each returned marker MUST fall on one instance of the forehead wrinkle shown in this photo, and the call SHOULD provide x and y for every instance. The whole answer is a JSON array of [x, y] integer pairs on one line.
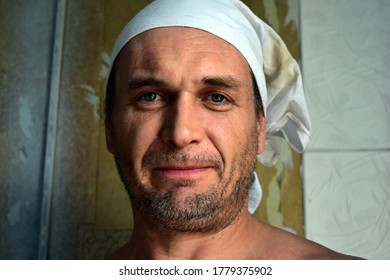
[[159, 59], [142, 81], [223, 81]]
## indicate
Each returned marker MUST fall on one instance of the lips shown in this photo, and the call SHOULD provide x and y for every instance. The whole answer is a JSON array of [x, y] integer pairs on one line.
[[183, 172]]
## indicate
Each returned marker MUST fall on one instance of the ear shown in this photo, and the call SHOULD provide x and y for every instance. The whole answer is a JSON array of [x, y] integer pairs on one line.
[[109, 135], [261, 132]]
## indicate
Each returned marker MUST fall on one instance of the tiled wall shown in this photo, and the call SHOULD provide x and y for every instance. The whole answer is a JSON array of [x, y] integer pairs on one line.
[[346, 67]]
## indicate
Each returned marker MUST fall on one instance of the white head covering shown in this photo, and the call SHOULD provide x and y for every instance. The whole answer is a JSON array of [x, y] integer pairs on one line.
[[276, 72]]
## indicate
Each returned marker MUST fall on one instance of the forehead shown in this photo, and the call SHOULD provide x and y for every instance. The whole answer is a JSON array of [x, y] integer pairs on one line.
[[178, 45]]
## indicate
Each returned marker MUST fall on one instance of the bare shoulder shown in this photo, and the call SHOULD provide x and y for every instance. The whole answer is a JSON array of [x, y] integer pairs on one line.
[[279, 244]]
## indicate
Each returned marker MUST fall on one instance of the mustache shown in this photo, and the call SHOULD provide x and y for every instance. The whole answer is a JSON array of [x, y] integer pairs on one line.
[[178, 158]]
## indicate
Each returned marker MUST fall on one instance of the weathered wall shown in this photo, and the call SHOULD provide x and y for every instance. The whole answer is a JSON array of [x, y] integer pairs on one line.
[[26, 32], [89, 211], [282, 185]]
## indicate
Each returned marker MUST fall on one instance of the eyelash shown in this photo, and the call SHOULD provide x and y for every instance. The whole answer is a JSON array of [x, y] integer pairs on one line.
[[225, 99], [143, 96], [213, 100]]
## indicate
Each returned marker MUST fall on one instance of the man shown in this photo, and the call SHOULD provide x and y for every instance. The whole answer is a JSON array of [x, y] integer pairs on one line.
[[195, 88]]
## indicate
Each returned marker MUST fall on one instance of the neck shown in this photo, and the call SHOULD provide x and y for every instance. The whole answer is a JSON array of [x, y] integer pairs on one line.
[[228, 243]]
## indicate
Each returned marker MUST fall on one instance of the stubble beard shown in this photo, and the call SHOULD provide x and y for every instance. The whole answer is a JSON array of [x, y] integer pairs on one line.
[[210, 211]]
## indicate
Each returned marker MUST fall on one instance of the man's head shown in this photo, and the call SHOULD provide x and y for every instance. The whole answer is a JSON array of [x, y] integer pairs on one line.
[[185, 115], [184, 128]]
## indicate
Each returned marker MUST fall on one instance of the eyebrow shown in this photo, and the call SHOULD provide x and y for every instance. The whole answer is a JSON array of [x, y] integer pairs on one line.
[[223, 82], [228, 82], [139, 82]]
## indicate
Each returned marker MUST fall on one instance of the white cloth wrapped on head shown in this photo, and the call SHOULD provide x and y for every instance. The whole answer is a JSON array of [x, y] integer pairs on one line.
[[277, 74]]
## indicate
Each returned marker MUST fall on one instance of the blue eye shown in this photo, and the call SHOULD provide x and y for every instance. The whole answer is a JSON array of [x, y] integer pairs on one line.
[[218, 101], [150, 97], [217, 98]]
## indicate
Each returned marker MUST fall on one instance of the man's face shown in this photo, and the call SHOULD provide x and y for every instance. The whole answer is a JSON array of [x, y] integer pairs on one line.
[[183, 129]]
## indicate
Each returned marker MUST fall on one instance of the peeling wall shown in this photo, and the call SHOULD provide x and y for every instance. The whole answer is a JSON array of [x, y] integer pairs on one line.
[[282, 203], [26, 32]]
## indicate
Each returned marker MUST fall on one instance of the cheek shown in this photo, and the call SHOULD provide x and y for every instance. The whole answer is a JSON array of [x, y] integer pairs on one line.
[[230, 134], [134, 134]]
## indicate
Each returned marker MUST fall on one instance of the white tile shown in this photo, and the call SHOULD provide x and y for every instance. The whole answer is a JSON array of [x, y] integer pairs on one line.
[[347, 202], [346, 72]]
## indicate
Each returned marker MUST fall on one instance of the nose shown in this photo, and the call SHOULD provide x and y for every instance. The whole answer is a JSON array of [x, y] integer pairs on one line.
[[182, 123]]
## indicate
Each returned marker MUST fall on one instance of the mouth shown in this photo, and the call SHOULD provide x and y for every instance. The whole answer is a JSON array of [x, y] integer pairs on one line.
[[182, 172]]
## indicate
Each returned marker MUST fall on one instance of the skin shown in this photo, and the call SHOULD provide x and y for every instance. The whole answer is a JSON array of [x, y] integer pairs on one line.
[[188, 94]]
